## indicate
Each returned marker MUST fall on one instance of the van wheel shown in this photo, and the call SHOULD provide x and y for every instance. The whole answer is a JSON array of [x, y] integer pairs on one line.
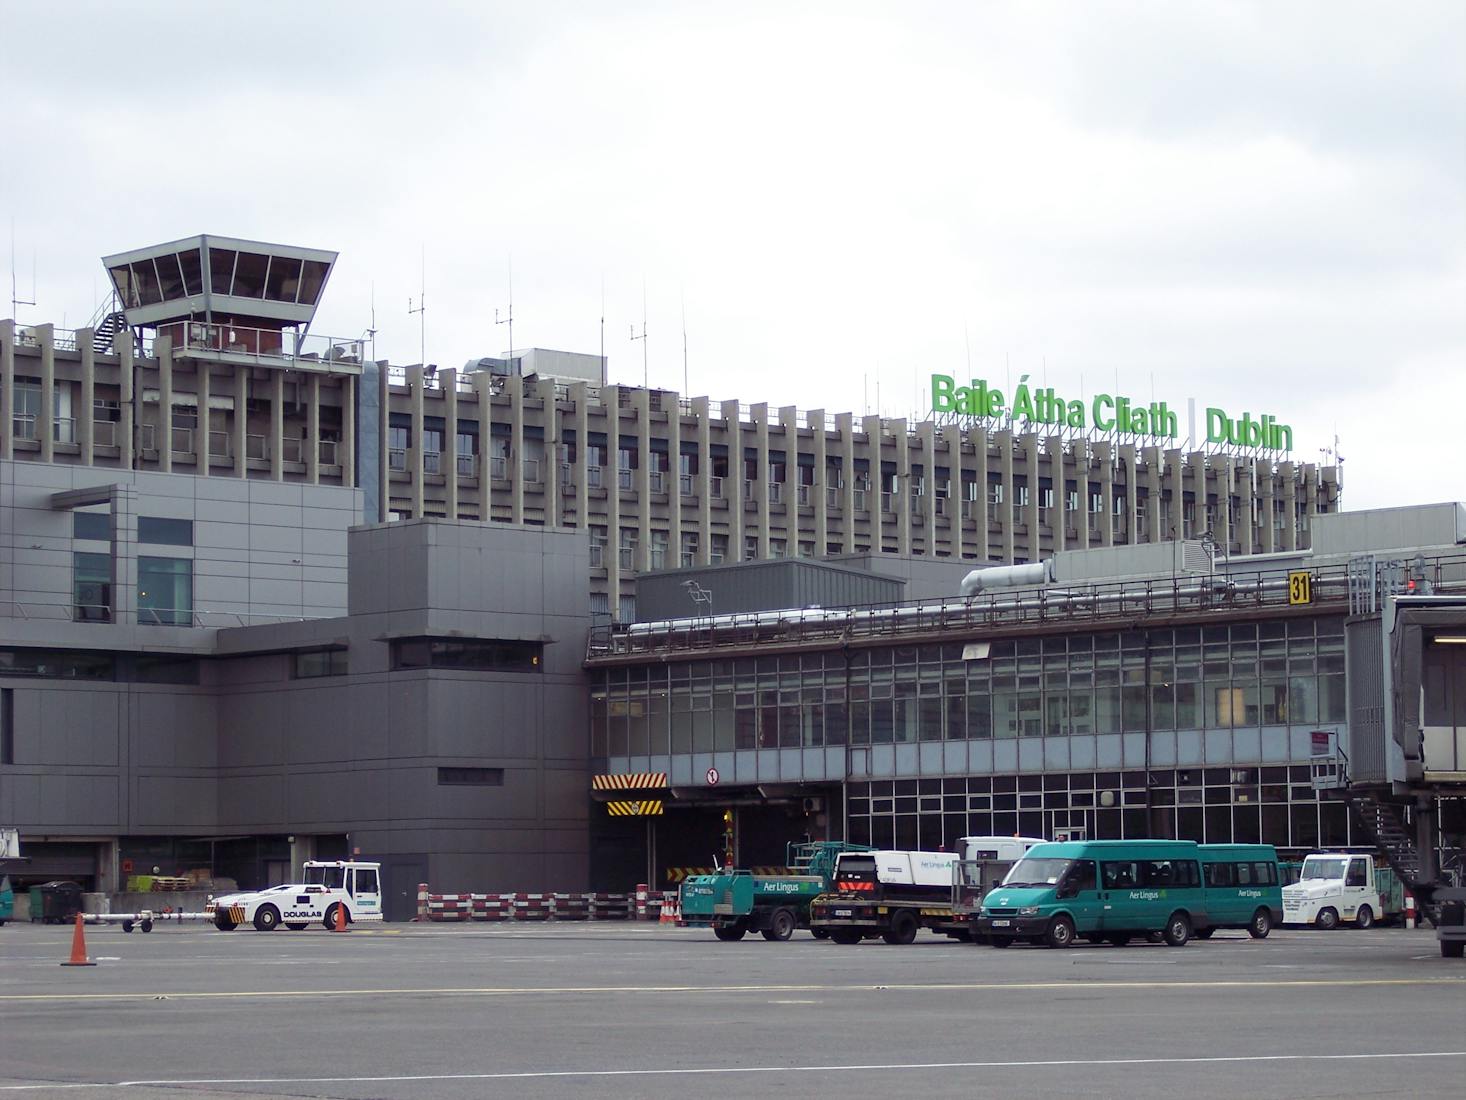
[[1178, 930], [223, 923], [1001, 941], [1365, 917], [1327, 919], [1203, 933], [903, 929], [1260, 925], [846, 937], [1061, 932], [267, 918], [781, 926], [728, 933], [295, 925]]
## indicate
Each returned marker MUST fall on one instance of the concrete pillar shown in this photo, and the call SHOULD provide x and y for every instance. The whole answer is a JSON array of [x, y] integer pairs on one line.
[[415, 470], [874, 446], [86, 416], [514, 467], [580, 395], [733, 483], [1287, 475], [202, 385], [481, 383], [761, 473], [551, 434], [124, 554], [7, 388], [956, 491], [277, 425], [448, 461], [1153, 470], [1081, 487], [163, 350], [313, 429], [1267, 489], [901, 499], [1032, 463], [1059, 514], [979, 437], [789, 440], [926, 436], [672, 409], [641, 480], [1104, 452], [239, 428], [1008, 510], [611, 479], [845, 427], [127, 421], [46, 415], [347, 453], [704, 484]]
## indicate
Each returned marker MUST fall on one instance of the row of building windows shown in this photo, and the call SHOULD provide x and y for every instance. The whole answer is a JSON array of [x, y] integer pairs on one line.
[[1192, 678], [1269, 805]]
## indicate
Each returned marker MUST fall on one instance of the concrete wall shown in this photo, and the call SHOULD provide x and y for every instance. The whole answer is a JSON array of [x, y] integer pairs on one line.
[[762, 586]]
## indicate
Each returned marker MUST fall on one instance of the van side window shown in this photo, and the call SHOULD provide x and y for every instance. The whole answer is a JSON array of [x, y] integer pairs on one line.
[[1081, 875], [1244, 874], [366, 881], [1117, 876], [1356, 873], [1265, 874], [1220, 874]]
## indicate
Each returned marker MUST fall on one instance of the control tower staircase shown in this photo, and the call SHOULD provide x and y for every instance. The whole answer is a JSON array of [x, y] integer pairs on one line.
[[1382, 824], [109, 326]]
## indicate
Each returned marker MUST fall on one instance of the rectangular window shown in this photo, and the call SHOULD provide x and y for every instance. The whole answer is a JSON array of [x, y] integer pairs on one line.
[[320, 662], [165, 591], [92, 588], [470, 777], [470, 655], [164, 532], [365, 881], [95, 526], [57, 664]]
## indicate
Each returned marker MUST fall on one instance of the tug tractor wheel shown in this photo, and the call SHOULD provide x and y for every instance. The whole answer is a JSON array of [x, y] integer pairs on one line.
[[147, 925], [127, 926], [330, 921], [1327, 919], [267, 918], [1364, 918]]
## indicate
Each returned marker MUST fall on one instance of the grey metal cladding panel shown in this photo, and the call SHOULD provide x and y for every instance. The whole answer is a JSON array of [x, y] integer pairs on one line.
[[174, 728], [565, 723], [565, 794], [183, 802], [315, 732], [252, 730], [252, 801], [484, 716], [1365, 698]]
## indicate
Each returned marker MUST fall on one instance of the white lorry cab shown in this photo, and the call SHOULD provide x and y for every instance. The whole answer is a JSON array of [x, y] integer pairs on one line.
[[1334, 887], [350, 885]]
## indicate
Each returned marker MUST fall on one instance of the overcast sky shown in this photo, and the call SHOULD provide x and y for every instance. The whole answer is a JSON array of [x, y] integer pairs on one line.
[[1262, 206]]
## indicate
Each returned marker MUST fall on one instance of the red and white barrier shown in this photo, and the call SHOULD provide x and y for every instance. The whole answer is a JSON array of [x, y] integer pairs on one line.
[[535, 907]]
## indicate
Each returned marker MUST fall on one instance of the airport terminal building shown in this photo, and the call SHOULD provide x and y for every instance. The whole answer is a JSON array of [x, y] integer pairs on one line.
[[264, 598]]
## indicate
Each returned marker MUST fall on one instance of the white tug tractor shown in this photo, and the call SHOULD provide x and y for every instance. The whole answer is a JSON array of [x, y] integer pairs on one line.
[[349, 885]]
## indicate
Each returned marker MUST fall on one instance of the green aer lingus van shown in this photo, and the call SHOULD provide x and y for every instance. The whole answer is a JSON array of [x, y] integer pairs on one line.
[[1098, 890], [1243, 887]]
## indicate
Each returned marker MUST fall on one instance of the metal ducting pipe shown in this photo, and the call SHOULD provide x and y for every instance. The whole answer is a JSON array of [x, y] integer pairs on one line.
[[1007, 576]]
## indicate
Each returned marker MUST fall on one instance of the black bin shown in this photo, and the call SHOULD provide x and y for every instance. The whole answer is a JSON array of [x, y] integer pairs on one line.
[[60, 902]]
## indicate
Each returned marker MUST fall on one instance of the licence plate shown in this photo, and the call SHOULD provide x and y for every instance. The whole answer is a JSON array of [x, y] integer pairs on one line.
[[844, 913], [1001, 923]]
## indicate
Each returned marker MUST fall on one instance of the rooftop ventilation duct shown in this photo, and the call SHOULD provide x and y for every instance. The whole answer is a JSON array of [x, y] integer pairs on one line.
[[1007, 576]]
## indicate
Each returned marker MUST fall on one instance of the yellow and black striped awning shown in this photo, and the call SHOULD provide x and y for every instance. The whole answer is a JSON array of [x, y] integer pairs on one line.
[[631, 781], [647, 807]]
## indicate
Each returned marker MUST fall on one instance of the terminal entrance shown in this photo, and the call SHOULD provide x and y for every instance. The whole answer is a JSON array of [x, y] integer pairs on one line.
[[692, 837]]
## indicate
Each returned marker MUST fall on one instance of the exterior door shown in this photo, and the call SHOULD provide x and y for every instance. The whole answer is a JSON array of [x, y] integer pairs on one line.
[[400, 879], [1085, 902], [1356, 887]]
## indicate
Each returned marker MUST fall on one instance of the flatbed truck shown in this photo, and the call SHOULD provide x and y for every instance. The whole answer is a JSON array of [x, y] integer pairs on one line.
[[736, 902], [887, 894]]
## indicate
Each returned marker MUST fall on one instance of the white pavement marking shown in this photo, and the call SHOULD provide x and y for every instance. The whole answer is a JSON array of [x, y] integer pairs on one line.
[[172, 1082]]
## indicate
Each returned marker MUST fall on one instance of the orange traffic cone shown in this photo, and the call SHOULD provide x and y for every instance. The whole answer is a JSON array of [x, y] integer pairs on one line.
[[78, 947], [340, 918]]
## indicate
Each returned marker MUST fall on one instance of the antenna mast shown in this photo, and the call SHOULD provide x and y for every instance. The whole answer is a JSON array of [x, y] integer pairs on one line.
[[421, 310], [686, 386], [508, 319], [645, 376], [16, 301]]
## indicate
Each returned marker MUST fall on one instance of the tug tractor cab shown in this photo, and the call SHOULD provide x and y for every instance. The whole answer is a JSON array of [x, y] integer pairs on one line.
[[348, 885]]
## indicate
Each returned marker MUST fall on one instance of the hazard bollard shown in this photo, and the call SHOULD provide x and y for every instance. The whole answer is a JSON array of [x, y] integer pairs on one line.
[[422, 902], [641, 898]]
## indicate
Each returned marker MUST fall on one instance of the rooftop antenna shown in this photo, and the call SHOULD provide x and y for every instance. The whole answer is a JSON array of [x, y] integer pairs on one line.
[[16, 301], [686, 390], [603, 328], [645, 377], [508, 318], [371, 333], [421, 310]]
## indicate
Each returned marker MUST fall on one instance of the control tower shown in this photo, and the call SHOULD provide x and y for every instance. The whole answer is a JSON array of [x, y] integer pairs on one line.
[[240, 299]]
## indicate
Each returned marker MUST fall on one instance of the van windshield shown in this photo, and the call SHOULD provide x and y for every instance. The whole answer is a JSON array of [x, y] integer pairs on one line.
[[1322, 869], [1037, 872]]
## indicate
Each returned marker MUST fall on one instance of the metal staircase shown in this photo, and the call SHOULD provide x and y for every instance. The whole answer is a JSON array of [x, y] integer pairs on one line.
[[107, 327], [1382, 824]]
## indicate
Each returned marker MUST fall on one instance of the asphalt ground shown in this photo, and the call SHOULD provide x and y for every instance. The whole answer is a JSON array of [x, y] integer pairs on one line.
[[456, 1011]]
